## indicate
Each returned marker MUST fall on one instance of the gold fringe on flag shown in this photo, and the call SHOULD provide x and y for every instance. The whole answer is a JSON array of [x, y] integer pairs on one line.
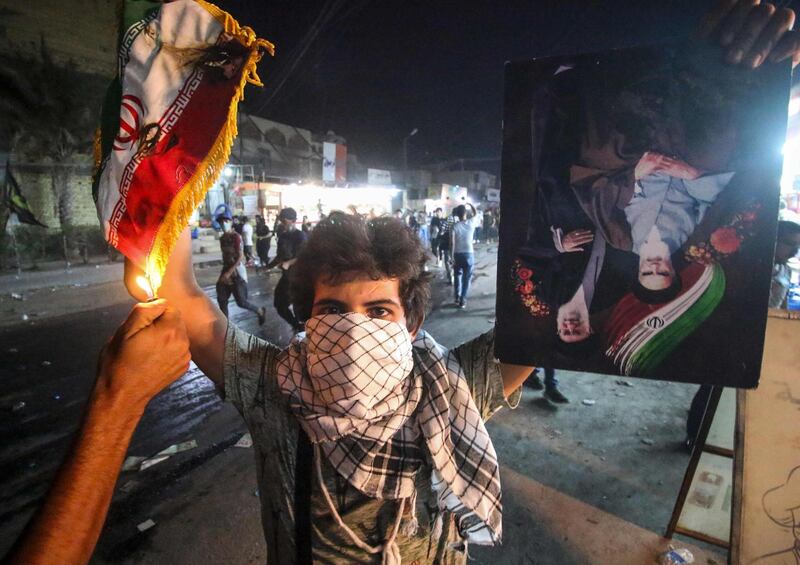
[[97, 152], [210, 168]]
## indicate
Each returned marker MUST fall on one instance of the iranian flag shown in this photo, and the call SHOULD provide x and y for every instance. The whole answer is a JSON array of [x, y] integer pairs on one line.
[[169, 121]]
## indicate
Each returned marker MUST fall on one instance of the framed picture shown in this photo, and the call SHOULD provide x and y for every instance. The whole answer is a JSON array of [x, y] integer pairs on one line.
[[640, 193]]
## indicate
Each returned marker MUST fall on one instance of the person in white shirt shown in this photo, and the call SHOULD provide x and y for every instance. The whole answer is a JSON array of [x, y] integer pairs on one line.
[[247, 239], [462, 235]]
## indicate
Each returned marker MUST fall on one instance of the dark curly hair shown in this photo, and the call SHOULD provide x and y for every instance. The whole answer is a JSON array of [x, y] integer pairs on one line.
[[344, 247]]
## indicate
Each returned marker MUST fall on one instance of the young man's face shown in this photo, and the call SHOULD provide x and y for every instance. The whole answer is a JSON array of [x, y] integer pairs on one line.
[[287, 223], [374, 298]]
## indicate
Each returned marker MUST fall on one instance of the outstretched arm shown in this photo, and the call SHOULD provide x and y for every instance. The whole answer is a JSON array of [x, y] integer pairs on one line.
[[206, 326], [148, 352], [514, 376]]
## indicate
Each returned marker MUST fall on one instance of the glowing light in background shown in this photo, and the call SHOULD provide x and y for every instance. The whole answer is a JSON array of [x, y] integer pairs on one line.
[[791, 163], [794, 106]]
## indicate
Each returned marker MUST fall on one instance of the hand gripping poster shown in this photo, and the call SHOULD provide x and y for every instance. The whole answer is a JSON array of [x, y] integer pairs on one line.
[[640, 193]]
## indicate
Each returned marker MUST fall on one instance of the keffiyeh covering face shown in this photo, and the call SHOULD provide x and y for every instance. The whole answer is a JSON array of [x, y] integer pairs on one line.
[[373, 402]]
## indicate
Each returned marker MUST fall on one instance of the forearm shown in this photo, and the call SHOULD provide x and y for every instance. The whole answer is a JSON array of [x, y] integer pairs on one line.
[[206, 326], [67, 526], [513, 376]]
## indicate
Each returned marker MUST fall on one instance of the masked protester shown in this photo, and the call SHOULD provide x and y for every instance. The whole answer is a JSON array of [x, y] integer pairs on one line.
[[387, 426]]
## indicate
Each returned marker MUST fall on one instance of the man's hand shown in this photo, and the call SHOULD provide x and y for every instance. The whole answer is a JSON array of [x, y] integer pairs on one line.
[[205, 324], [651, 162], [753, 32], [149, 351], [575, 240], [680, 169]]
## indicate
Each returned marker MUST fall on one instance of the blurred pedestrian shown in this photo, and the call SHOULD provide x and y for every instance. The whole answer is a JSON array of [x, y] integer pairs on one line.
[[411, 222], [785, 249], [306, 225], [550, 385], [422, 230], [247, 240], [263, 241], [463, 254], [237, 224], [233, 278], [290, 240], [433, 232], [488, 225], [477, 220], [446, 246]]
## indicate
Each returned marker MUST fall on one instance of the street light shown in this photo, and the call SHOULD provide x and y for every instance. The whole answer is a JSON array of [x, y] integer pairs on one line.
[[405, 153], [405, 147]]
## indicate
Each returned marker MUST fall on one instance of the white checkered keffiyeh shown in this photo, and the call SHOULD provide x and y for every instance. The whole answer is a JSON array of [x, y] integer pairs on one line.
[[351, 384]]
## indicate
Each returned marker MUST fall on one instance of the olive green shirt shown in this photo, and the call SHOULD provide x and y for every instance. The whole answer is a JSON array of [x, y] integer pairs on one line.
[[251, 385]]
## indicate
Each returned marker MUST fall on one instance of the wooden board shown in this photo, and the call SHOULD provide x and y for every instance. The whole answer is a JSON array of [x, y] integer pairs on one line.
[[720, 436], [767, 529]]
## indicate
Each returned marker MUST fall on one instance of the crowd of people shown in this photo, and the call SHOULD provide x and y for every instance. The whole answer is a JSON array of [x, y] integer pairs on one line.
[[450, 237], [237, 245], [448, 240], [247, 242]]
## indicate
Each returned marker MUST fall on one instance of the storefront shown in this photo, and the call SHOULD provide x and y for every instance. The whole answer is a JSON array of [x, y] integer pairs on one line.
[[311, 200]]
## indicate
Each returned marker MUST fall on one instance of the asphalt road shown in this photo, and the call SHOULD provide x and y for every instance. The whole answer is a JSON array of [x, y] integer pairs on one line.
[[47, 370], [586, 462]]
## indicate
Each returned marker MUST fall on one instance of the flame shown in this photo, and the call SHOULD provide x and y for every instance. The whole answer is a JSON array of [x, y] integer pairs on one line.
[[153, 276], [145, 286]]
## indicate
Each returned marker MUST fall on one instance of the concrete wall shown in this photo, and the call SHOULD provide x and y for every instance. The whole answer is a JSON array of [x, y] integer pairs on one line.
[[36, 186], [83, 31]]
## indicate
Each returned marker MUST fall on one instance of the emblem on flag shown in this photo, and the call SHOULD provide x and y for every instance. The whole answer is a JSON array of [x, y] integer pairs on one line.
[[129, 122]]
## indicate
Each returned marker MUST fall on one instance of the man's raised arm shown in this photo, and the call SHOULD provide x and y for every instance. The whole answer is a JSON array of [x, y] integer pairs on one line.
[[205, 324]]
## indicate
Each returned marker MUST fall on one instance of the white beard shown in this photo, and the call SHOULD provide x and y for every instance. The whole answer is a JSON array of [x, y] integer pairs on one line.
[[575, 308]]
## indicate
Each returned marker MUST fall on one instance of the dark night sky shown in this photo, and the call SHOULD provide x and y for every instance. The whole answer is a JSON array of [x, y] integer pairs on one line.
[[380, 68]]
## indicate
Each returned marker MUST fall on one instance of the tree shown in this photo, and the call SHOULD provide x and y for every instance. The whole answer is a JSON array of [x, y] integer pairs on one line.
[[50, 111]]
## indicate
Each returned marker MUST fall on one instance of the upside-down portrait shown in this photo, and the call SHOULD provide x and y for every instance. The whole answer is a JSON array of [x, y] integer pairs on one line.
[[641, 193]]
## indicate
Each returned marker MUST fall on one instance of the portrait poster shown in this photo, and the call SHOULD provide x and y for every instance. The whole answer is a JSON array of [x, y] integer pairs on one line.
[[639, 206]]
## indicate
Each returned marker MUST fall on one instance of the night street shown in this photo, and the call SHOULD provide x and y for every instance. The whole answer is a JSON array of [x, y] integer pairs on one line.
[[617, 463]]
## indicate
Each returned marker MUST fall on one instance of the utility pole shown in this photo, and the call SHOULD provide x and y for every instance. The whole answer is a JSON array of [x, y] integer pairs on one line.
[[405, 155]]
